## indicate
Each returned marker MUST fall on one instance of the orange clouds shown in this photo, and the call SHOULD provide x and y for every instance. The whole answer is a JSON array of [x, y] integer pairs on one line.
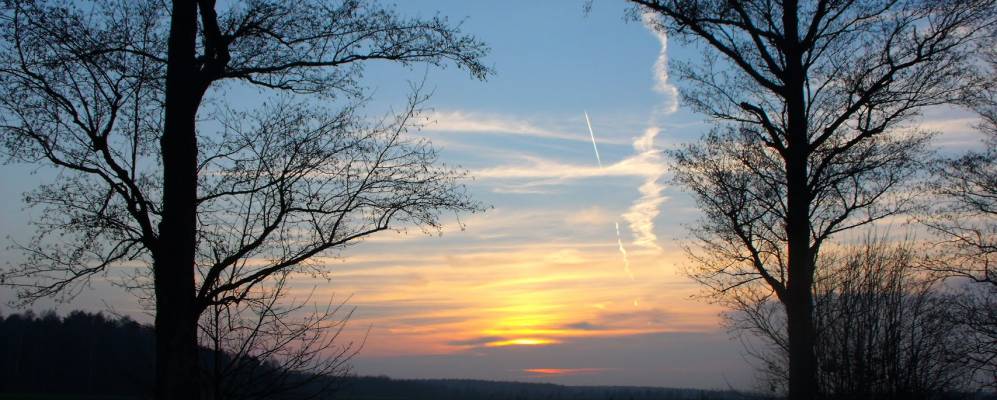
[[466, 296]]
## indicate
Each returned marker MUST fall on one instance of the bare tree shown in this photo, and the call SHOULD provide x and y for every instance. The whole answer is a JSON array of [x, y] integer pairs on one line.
[[160, 168], [976, 311], [885, 329], [964, 216], [269, 346], [810, 100]]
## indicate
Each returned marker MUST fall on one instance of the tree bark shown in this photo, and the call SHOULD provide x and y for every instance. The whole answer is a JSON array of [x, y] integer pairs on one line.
[[176, 316], [799, 301], [802, 359]]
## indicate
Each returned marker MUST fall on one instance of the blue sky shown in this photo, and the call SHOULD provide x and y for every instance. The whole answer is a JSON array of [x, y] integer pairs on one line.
[[538, 282]]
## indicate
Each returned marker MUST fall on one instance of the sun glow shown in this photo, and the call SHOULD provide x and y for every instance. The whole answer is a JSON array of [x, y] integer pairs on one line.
[[513, 299], [540, 372], [522, 342]]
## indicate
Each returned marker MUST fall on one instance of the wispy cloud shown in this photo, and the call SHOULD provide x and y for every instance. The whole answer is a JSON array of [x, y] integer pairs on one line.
[[594, 215], [642, 212], [456, 121], [687, 359], [584, 326], [646, 162], [557, 172], [515, 292], [950, 126], [541, 279], [661, 82], [954, 133]]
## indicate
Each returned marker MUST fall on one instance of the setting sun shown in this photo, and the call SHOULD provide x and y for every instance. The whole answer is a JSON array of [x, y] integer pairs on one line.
[[521, 342]]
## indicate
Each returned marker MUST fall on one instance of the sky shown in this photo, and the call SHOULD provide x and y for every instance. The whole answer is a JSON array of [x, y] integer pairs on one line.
[[573, 274]]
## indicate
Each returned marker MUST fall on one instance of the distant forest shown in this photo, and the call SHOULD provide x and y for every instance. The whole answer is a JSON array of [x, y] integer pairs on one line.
[[81, 353], [85, 355]]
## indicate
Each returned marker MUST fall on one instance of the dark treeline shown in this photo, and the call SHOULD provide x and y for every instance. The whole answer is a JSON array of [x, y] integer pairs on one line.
[[81, 353], [86, 354]]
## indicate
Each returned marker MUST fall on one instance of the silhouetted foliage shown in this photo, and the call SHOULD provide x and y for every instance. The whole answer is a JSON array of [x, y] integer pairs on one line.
[[812, 101], [268, 347]]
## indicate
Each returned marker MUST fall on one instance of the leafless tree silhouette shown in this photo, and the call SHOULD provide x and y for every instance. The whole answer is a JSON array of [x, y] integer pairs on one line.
[[270, 346], [964, 216], [134, 102], [885, 329], [811, 99]]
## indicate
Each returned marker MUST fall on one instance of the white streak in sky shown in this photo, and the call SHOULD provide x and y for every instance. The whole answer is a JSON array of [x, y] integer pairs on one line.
[[592, 135], [626, 260], [619, 239]]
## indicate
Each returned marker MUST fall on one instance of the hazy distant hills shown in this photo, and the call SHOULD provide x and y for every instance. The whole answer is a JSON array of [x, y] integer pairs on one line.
[[90, 356], [93, 357], [369, 388]]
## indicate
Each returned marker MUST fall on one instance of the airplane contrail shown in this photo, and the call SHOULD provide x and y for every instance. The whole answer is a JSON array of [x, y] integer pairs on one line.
[[626, 260], [619, 239], [592, 135]]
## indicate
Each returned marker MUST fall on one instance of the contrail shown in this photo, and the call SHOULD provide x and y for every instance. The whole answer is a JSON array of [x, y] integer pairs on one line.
[[592, 135], [626, 260], [619, 240]]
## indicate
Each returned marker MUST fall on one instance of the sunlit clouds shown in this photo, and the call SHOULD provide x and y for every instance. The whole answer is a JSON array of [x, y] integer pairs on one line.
[[642, 213], [646, 208], [464, 122], [558, 172], [661, 82], [501, 285], [546, 273], [530, 296]]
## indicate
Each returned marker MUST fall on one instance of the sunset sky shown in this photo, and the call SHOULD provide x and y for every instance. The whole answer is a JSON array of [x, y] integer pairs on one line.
[[536, 288]]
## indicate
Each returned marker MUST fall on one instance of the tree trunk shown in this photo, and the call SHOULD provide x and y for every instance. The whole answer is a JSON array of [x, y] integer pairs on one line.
[[799, 288], [176, 315], [176, 337], [799, 296], [802, 359]]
